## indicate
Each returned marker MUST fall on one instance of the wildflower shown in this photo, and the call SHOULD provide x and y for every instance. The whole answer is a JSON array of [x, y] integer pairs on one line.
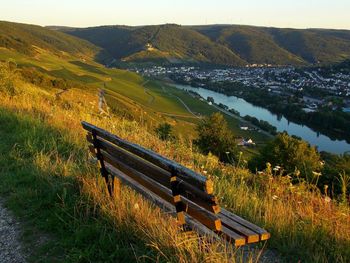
[[227, 152], [325, 187], [260, 172], [274, 197], [327, 199], [316, 173], [202, 167], [205, 172]]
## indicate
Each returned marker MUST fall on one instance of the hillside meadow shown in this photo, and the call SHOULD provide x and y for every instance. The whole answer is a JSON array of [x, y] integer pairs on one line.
[[54, 188]]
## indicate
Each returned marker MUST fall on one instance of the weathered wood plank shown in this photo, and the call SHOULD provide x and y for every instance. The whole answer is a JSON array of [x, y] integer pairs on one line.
[[184, 173], [143, 169], [233, 237], [250, 236], [162, 176], [203, 216], [264, 235], [165, 206]]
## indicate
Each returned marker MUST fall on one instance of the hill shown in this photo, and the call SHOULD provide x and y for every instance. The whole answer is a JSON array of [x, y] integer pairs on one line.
[[27, 39], [219, 44], [171, 43]]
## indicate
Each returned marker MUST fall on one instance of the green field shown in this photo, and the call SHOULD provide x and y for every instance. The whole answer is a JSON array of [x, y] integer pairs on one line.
[[146, 100]]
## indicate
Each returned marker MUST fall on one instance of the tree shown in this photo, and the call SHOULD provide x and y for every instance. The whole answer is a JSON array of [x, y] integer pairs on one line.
[[290, 153], [215, 136], [164, 131]]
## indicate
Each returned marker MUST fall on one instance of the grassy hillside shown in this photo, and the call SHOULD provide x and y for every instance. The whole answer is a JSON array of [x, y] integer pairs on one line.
[[127, 93], [49, 182], [219, 44], [26, 39]]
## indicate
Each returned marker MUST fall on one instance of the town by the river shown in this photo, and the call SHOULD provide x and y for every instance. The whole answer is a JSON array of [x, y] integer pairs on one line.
[[323, 142]]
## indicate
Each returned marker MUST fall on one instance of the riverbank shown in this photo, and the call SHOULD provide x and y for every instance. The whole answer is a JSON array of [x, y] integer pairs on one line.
[[323, 142]]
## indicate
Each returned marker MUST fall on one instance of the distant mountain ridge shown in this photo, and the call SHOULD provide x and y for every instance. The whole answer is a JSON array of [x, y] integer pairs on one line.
[[234, 45]]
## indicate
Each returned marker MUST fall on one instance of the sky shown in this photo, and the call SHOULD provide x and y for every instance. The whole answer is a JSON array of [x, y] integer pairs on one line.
[[276, 13]]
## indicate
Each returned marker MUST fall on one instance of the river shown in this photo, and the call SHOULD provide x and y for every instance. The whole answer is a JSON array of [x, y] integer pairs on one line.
[[323, 142]]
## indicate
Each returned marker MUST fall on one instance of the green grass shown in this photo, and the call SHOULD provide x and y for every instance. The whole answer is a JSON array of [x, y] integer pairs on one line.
[[46, 196]]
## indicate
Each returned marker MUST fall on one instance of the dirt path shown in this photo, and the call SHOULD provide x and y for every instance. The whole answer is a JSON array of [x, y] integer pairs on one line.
[[10, 248], [152, 98], [181, 101]]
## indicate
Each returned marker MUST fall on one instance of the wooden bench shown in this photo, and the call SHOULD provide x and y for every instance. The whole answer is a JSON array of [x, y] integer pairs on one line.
[[169, 185]]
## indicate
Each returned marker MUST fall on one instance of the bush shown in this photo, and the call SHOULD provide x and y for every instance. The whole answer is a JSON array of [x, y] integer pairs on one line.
[[291, 154], [164, 131], [214, 136]]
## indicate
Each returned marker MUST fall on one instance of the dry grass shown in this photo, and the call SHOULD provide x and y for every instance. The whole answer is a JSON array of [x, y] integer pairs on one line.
[[304, 224]]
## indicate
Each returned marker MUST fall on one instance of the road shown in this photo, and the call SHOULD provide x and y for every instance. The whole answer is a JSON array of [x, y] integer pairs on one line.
[[182, 102]]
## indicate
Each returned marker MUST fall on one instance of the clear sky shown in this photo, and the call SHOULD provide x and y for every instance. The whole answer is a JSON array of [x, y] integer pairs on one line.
[[82, 13]]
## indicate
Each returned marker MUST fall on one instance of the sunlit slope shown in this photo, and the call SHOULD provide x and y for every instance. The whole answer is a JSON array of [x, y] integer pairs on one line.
[[171, 43], [219, 44], [127, 93], [25, 39], [46, 62]]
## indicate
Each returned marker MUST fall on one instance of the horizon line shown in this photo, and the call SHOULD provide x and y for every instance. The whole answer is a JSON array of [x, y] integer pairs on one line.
[[179, 24]]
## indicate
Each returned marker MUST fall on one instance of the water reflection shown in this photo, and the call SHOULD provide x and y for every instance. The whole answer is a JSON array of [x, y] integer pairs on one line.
[[323, 142]]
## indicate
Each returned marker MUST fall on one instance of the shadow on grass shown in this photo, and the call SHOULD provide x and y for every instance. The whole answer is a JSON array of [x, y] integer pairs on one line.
[[50, 203]]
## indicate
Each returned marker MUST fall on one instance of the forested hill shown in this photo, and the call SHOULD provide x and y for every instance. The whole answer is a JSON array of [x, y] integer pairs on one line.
[[219, 44], [29, 39], [171, 43]]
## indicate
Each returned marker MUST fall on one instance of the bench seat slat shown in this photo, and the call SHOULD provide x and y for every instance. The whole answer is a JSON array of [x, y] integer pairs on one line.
[[250, 236], [233, 237], [264, 235]]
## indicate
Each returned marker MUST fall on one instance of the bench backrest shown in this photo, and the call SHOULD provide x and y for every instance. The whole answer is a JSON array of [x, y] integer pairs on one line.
[[169, 185], [190, 192]]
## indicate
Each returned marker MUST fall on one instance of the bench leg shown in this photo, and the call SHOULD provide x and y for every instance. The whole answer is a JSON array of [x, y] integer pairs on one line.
[[179, 205]]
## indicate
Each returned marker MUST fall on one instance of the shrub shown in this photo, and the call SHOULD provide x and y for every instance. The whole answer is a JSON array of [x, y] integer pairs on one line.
[[214, 136], [292, 154], [164, 131]]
